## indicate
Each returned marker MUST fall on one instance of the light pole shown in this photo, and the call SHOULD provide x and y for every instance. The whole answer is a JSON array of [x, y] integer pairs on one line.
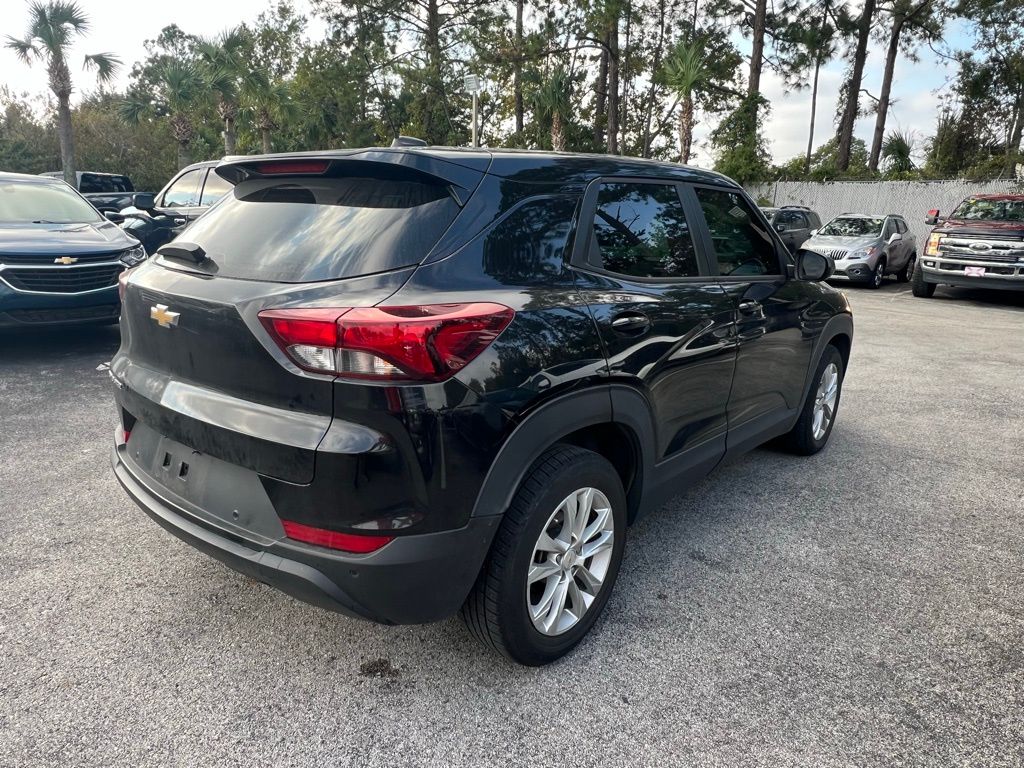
[[472, 84]]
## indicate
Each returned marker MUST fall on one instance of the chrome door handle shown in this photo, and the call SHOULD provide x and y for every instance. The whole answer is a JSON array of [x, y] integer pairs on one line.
[[630, 323]]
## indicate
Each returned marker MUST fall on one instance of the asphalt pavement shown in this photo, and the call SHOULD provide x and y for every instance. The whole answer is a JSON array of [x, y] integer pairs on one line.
[[861, 607]]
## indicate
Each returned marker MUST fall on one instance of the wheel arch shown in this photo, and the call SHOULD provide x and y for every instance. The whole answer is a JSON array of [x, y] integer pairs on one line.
[[587, 419], [838, 332]]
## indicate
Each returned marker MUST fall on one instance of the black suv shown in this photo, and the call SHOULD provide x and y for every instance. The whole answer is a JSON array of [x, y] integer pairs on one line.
[[399, 382], [794, 223]]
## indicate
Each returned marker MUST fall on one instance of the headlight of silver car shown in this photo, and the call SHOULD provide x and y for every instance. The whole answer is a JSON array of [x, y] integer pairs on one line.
[[860, 255], [133, 256]]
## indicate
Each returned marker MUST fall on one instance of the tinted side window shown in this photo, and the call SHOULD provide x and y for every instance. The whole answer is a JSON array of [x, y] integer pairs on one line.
[[184, 192], [641, 230], [742, 245], [901, 226], [528, 246], [90, 183], [791, 220], [214, 188]]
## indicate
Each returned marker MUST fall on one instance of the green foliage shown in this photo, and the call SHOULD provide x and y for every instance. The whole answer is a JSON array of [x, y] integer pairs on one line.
[[28, 143], [740, 149], [898, 153], [825, 163], [389, 67]]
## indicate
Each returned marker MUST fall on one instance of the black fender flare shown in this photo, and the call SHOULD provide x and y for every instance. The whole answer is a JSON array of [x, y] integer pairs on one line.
[[554, 419], [603, 404], [837, 325]]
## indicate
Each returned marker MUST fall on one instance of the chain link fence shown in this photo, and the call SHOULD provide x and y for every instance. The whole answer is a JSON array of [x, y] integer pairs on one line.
[[910, 199]]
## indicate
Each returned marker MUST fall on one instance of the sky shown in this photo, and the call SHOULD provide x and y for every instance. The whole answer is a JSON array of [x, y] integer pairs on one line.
[[113, 29]]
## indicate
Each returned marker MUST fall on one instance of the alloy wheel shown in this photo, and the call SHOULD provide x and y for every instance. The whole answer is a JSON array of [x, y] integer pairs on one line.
[[570, 561], [825, 401]]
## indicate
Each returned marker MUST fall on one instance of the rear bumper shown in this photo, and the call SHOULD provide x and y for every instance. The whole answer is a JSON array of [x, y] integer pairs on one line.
[[412, 580]]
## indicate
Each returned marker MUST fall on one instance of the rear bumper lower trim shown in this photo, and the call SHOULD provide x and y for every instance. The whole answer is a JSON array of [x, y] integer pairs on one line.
[[412, 580]]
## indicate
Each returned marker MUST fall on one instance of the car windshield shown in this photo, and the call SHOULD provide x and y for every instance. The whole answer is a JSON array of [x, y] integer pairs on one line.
[[853, 226], [35, 203], [988, 209]]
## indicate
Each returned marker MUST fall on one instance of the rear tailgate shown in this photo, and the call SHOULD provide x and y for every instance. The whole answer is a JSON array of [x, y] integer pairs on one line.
[[210, 377], [195, 362]]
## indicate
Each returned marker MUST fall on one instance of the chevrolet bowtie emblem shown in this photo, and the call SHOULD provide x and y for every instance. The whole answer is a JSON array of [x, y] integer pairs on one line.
[[164, 317], [65, 260]]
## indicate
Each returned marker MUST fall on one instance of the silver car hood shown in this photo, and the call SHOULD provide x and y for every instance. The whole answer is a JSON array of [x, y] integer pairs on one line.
[[826, 243]]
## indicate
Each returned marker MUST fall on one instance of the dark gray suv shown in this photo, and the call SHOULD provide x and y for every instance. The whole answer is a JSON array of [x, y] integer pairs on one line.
[[793, 223]]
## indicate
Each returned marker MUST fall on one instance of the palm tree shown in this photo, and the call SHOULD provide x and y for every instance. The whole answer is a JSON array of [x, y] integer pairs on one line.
[[51, 30], [225, 70], [897, 151], [178, 89], [553, 103], [685, 72], [269, 104]]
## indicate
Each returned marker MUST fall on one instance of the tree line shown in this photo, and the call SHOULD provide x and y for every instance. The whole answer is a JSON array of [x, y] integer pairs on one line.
[[628, 77]]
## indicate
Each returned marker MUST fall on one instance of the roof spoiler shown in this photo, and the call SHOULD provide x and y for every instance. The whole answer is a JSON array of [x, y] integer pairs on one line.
[[389, 162]]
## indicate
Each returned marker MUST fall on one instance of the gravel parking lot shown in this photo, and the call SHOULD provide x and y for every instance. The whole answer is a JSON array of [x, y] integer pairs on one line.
[[862, 607]]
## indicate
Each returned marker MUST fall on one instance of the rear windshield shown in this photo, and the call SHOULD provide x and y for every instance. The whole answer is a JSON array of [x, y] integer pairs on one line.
[[298, 229], [853, 226], [982, 209]]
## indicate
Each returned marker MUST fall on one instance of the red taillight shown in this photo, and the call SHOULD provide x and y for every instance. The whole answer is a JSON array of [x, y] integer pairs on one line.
[[419, 343], [277, 167], [358, 544]]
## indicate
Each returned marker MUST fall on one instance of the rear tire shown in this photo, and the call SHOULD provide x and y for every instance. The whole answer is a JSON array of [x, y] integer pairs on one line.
[[812, 429], [529, 560], [905, 274], [919, 286]]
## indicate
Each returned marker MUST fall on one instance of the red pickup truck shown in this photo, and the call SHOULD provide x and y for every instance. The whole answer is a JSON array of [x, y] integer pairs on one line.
[[979, 245]]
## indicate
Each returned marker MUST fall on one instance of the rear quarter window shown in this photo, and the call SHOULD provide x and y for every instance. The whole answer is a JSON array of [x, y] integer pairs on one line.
[[301, 229]]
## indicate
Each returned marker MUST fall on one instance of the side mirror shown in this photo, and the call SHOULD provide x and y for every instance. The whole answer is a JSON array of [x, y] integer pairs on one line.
[[814, 267], [144, 201], [933, 217], [780, 227], [814, 232], [113, 216], [895, 237]]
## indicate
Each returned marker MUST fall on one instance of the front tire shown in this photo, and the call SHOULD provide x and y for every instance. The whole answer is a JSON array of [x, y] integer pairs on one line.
[[812, 429], [554, 560], [878, 275], [919, 286]]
